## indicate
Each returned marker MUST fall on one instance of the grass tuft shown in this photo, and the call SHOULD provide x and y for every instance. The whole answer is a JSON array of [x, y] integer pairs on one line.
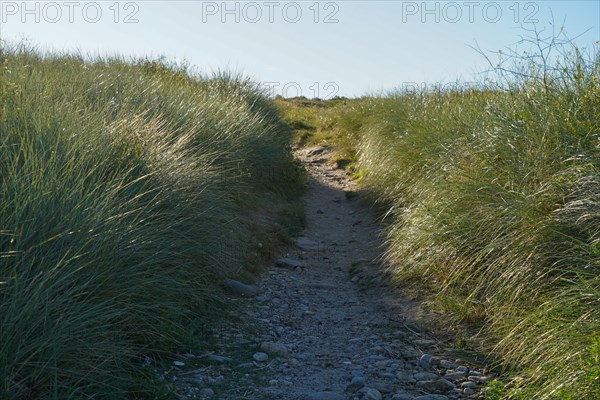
[[491, 196], [129, 190]]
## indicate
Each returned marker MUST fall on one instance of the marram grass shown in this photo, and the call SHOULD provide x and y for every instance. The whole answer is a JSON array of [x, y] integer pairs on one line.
[[124, 188], [492, 198]]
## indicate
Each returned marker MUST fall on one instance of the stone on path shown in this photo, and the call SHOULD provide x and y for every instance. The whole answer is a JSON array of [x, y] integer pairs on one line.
[[316, 150], [325, 396], [274, 348], [207, 392], [439, 386], [425, 376], [260, 357], [373, 394], [304, 243], [425, 360], [403, 396], [453, 376], [288, 263], [358, 382], [241, 288], [217, 358]]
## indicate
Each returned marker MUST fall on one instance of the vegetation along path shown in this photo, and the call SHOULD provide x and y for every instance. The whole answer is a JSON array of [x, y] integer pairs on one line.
[[328, 328]]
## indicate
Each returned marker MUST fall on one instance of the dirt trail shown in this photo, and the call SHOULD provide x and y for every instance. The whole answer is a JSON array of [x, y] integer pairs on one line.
[[331, 329]]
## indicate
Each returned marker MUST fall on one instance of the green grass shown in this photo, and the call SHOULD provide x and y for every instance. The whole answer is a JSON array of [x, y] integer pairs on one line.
[[129, 191], [491, 198]]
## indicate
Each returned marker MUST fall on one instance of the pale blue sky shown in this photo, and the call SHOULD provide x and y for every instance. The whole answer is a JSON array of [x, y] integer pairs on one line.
[[373, 46]]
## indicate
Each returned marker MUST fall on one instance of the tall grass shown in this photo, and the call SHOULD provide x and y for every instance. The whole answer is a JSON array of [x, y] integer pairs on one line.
[[492, 200], [126, 194]]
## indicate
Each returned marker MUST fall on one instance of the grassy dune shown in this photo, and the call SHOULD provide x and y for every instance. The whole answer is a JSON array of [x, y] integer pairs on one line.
[[492, 201], [129, 191]]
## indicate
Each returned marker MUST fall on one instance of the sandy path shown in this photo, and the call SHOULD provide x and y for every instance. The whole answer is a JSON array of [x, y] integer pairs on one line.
[[331, 329]]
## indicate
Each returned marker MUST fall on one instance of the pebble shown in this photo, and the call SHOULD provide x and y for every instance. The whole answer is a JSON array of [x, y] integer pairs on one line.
[[325, 396], [178, 364], [274, 348], [425, 376], [469, 391], [216, 358], [479, 379], [207, 392], [448, 364], [242, 289], [288, 263], [305, 244], [440, 386], [260, 357], [373, 394], [425, 360], [358, 382], [453, 376], [403, 396], [383, 387]]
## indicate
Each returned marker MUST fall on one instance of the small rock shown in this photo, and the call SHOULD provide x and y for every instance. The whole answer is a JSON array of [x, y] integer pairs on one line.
[[373, 394], [383, 387], [241, 288], [274, 348], [403, 396], [305, 244], [448, 364], [216, 358], [288, 263], [316, 150], [440, 386], [325, 396], [260, 357], [453, 376], [206, 392], [468, 384], [479, 379], [462, 368], [402, 376], [425, 376], [425, 360], [358, 382], [435, 361], [469, 391], [178, 364], [279, 330]]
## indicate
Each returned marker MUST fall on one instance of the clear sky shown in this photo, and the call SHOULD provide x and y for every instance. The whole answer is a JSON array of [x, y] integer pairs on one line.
[[310, 48]]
